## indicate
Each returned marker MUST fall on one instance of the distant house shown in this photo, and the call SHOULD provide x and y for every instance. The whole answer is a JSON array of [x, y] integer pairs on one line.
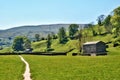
[[94, 48]]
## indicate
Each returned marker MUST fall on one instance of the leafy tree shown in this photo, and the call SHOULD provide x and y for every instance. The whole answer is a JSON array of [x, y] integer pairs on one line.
[[100, 20], [53, 35], [49, 41], [79, 43], [115, 20], [37, 37], [62, 35], [27, 43], [73, 28], [18, 44], [21, 43], [108, 24], [91, 26], [117, 11]]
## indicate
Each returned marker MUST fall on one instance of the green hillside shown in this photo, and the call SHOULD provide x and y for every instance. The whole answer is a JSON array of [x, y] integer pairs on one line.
[[73, 44]]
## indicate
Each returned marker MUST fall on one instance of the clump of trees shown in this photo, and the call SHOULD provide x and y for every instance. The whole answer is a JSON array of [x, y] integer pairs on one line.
[[62, 35], [108, 24], [100, 20], [79, 36], [49, 42], [115, 20], [91, 27], [21, 43], [73, 29]]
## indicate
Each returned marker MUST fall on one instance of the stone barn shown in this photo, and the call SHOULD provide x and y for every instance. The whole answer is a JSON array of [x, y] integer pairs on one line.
[[94, 48]]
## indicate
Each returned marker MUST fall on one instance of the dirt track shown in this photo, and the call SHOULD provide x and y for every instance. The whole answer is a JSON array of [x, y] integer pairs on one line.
[[26, 74]]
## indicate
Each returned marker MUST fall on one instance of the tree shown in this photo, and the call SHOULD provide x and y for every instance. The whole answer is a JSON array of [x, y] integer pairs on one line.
[[73, 28], [37, 37], [27, 43], [91, 26], [53, 35], [100, 20], [18, 44], [21, 43], [49, 41], [62, 35], [79, 43], [115, 20], [107, 24]]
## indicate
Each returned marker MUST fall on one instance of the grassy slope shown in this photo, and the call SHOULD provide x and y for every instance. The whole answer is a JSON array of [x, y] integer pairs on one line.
[[6, 50], [41, 45], [74, 68], [72, 44], [11, 68]]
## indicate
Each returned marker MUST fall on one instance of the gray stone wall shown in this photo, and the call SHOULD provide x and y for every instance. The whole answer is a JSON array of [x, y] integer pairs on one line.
[[87, 49]]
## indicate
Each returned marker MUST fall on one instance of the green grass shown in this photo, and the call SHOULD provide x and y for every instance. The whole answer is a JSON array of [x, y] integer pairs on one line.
[[5, 50], [39, 46], [74, 68], [11, 68], [114, 51], [63, 47]]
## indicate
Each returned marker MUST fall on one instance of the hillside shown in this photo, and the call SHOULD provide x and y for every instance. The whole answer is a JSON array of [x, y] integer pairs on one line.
[[40, 46], [31, 30], [8, 35], [73, 44]]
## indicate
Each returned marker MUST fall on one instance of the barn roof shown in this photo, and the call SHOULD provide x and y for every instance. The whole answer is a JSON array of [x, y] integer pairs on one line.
[[94, 42]]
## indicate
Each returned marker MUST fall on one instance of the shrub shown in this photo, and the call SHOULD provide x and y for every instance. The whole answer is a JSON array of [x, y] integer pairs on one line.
[[116, 42]]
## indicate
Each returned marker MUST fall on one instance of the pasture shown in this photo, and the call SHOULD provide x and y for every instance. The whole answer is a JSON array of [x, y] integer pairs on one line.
[[11, 68], [74, 68]]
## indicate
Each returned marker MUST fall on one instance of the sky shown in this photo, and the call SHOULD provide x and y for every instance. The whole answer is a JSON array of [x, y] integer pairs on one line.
[[15, 13]]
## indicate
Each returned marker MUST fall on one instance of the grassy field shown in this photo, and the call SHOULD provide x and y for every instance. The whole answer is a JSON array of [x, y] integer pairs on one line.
[[74, 68], [11, 68]]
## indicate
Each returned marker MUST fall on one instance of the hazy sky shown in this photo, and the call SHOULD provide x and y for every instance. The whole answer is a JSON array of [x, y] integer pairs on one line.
[[34, 12]]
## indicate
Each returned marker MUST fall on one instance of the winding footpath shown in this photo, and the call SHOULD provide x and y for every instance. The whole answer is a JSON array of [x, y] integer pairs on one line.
[[26, 74]]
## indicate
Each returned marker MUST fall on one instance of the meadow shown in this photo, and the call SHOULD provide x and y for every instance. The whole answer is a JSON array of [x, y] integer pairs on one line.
[[74, 68], [64, 67], [11, 68]]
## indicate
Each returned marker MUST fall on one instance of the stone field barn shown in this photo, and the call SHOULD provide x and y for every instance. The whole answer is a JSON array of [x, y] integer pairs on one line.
[[94, 48]]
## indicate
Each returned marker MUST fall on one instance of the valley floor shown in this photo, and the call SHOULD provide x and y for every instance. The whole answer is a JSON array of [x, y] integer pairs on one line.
[[74, 68], [63, 67], [11, 68]]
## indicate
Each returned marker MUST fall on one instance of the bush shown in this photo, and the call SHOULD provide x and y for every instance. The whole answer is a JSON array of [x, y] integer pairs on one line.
[[107, 46], [55, 37], [49, 49], [94, 33], [42, 38], [115, 44]]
